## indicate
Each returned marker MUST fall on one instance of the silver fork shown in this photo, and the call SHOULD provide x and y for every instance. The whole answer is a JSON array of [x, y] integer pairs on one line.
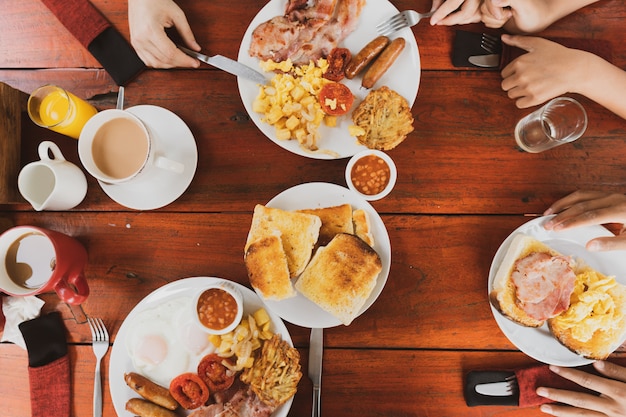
[[490, 43], [100, 338], [402, 20]]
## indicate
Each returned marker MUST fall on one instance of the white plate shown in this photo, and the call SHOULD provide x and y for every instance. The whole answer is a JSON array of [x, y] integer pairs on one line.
[[121, 363], [539, 343], [403, 77], [300, 310], [176, 142]]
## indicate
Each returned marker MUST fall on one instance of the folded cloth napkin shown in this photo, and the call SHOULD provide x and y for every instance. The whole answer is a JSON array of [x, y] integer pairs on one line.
[[96, 34], [48, 365], [467, 44], [526, 380], [16, 310]]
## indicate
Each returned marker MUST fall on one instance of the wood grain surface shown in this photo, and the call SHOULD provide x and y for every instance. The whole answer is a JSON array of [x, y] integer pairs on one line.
[[463, 187]]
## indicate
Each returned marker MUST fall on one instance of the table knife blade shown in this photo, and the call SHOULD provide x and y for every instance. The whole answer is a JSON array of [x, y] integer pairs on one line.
[[486, 61], [229, 65], [316, 350]]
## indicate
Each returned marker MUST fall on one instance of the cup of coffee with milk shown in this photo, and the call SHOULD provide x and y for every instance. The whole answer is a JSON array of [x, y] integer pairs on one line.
[[115, 147]]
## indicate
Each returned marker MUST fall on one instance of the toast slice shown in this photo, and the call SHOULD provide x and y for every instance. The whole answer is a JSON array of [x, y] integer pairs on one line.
[[362, 226], [268, 268], [341, 276], [336, 219], [298, 233]]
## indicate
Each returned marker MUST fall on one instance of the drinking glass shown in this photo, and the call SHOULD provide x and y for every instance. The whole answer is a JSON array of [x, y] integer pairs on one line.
[[561, 120]]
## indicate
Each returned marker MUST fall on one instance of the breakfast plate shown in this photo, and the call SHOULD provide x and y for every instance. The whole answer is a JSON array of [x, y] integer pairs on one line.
[[183, 289], [539, 343], [163, 187], [299, 310], [403, 77]]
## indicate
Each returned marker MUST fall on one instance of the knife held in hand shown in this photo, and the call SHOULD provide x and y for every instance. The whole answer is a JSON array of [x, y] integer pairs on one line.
[[226, 64], [316, 349]]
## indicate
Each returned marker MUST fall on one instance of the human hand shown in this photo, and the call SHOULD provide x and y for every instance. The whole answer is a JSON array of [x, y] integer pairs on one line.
[[548, 70], [611, 402], [585, 208], [519, 16], [455, 12], [148, 20], [495, 13]]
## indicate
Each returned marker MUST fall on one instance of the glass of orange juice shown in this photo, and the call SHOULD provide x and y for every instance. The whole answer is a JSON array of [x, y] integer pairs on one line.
[[59, 110]]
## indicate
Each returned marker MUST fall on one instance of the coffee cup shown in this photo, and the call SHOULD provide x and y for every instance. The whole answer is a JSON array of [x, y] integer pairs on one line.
[[52, 183], [115, 147], [38, 260]]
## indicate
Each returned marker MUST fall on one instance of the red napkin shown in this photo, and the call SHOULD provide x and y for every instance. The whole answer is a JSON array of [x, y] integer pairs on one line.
[[595, 46], [96, 34], [50, 389], [529, 379], [80, 17]]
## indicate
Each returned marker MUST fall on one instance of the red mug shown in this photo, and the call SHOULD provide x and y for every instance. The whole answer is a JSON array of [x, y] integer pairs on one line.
[[38, 260]]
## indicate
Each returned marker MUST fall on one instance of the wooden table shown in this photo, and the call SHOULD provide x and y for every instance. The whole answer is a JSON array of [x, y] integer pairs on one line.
[[463, 187]]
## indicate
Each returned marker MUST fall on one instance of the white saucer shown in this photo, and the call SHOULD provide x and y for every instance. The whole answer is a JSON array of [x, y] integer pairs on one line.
[[177, 143]]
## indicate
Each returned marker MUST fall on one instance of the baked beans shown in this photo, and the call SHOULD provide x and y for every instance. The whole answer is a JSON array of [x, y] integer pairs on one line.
[[217, 309], [370, 175]]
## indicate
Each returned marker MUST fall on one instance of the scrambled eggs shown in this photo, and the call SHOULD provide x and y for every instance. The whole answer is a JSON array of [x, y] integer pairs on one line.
[[592, 308], [290, 103]]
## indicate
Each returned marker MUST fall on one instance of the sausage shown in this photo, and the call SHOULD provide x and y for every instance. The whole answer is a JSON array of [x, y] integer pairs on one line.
[[150, 391], [143, 408], [365, 56], [383, 62]]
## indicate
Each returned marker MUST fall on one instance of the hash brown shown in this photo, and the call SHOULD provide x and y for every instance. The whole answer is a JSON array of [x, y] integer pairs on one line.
[[386, 118]]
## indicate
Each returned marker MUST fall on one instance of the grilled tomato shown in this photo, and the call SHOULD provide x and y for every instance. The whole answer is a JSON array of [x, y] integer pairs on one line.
[[214, 374], [189, 390], [336, 99]]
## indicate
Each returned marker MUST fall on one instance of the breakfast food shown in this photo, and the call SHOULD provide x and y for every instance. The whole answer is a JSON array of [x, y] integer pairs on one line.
[[383, 119], [336, 99], [150, 391], [304, 33], [268, 268], [275, 375], [341, 276], [584, 309], [365, 56], [595, 323], [335, 219], [298, 233], [338, 59], [189, 390], [533, 282], [383, 62], [144, 408], [362, 226], [290, 103]]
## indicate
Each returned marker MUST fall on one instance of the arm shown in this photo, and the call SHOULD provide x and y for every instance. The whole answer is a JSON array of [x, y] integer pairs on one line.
[[147, 20], [455, 12], [528, 16], [549, 70], [585, 208], [611, 403]]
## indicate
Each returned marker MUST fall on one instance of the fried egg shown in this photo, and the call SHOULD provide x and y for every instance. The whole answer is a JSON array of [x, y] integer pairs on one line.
[[164, 341]]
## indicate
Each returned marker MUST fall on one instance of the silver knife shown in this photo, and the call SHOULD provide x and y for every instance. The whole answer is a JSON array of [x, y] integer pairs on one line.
[[487, 61], [229, 65], [316, 349], [495, 389]]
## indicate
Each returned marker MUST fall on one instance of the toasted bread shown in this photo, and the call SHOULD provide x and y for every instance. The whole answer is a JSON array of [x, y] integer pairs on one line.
[[598, 333], [362, 226], [503, 295], [336, 219], [341, 276], [268, 268], [298, 233]]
